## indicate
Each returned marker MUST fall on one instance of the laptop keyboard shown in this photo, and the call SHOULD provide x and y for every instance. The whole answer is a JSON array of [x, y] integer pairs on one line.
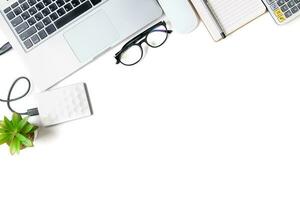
[[283, 10], [35, 20]]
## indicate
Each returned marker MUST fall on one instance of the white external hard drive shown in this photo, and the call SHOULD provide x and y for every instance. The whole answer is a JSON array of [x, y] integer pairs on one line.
[[64, 104]]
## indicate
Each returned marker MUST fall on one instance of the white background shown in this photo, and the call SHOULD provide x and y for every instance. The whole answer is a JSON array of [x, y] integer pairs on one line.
[[195, 120]]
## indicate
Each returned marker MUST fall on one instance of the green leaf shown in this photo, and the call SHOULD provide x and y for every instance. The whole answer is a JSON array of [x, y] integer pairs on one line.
[[4, 138], [25, 141], [27, 129], [2, 130], [15, 146], [22, 123], [16, 118], [34, 128], [8, 125]]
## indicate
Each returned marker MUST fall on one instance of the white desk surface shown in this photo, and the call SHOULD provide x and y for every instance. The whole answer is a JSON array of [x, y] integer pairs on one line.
[[195, 120]]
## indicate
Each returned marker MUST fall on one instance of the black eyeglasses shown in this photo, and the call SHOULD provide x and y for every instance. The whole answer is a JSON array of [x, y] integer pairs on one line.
[[132, 52]]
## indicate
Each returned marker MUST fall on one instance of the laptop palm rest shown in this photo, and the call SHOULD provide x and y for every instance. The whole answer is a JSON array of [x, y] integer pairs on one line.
[[92, 36]]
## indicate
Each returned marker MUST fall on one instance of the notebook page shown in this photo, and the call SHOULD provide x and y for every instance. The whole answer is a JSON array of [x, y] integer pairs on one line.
[[232, 14]]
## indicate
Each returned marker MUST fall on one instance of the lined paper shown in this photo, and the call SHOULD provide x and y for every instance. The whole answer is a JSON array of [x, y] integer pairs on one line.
[[232, 14]]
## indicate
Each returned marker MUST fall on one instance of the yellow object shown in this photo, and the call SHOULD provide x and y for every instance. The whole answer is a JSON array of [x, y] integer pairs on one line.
[[279, 14], [281, 19]]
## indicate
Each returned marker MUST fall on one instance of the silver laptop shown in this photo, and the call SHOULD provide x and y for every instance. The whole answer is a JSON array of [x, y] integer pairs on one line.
[[58, 37]]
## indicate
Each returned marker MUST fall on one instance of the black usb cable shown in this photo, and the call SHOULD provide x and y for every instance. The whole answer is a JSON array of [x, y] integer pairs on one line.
[[30, 112]]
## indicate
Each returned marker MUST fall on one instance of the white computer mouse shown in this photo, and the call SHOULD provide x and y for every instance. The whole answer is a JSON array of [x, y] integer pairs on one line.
[[181, 15]]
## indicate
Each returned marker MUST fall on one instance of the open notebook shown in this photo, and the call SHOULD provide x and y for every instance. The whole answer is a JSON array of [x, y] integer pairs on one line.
[[232, 14]]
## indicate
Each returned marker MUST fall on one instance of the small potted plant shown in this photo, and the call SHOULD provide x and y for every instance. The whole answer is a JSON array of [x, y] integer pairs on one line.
[[17, 133]]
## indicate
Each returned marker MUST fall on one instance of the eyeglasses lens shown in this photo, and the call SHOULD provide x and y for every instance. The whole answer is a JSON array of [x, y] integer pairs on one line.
[[132, 55], [157, 36]]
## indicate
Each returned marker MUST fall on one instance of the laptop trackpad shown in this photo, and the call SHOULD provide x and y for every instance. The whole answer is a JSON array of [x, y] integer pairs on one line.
[[92, 36]]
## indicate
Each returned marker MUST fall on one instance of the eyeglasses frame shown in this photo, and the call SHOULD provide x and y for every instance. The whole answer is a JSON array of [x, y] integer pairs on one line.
[[138, 41]]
